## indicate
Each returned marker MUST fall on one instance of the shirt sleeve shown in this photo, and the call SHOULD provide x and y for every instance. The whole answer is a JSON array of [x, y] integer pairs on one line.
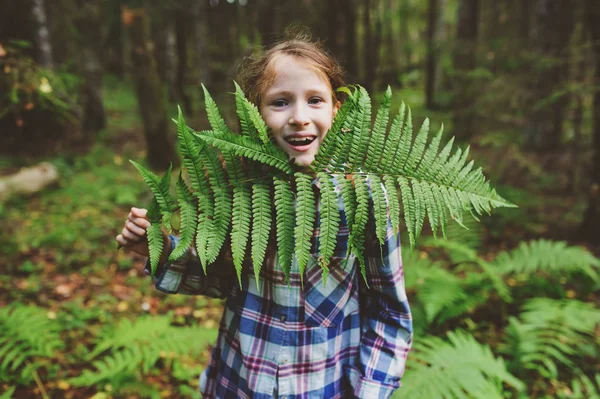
[[386, 322], [186, 276]]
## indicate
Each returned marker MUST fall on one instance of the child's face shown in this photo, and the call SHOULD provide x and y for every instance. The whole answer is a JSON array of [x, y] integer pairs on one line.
[[298, 107]]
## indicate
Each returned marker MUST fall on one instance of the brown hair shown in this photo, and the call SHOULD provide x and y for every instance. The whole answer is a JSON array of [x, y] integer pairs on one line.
[[256, 74]]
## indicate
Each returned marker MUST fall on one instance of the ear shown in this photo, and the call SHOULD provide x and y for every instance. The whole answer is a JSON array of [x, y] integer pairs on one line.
[[336, 108]]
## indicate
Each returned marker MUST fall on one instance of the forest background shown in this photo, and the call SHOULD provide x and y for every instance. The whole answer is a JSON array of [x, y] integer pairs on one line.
[[508, 308]]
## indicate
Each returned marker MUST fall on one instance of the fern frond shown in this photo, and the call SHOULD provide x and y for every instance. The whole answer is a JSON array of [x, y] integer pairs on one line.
[[257, 121], [432, 186], [348, 199], [582, 387], [305, 219], [550, 332], [155, 244], [426, 165], [222, 203], [212, 111], [27, 336], [462, 253], [401, 152], [135, 347], [261, 226], [376, 144], [356, 239], [284, 208], [160, 189], [360, 141], [393, 139], [329, 215], [345, 135], [248, 148], [393, 201], [552, 257], [248, 129], [416, 151], [459, 368], [408, 205], [187, 210], [331, 141], [379, 207], [240, 225]]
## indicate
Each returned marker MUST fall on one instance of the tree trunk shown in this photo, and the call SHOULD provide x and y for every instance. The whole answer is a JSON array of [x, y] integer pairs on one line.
[[403, 16], [442, 82], [42, 35], [183, 24], [430, 70], [200, 31], [151, 101], [370, 53], [553, 29], [88, 24], [350, 41], [114, 47], [162, 23], [465, 60], [267, 21], [589, 227]]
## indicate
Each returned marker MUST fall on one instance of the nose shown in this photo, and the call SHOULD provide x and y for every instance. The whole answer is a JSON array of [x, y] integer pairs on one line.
[[299, 116]]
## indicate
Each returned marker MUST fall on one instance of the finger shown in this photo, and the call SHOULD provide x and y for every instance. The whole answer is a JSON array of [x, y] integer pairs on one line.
[[141, 222], [135, 229], [122, 241], [130, 236], [139, 212]]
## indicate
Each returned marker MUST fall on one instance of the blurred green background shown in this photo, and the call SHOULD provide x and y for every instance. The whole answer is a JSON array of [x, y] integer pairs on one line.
[[505, 309]]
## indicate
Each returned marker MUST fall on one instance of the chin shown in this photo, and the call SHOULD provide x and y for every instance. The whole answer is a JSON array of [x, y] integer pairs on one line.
[[304, 161]]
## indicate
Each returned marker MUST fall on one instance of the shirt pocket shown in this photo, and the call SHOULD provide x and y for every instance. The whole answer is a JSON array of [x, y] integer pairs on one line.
[[326, 303]]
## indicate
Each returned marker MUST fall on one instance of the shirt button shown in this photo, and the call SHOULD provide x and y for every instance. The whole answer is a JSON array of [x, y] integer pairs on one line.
[[283, 318]]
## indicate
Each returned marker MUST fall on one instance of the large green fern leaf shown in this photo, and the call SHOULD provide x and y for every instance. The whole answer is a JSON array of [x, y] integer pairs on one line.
[[459, 368], [284, 208], [329, 215], [305, 219], [261, 226], [187, 211]]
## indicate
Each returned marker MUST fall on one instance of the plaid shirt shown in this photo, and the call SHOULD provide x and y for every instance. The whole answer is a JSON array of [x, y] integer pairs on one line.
[[334, 340]]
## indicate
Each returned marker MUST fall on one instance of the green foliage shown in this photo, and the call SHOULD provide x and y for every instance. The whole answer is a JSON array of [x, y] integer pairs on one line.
[[27, 338], [549, 257], [133, 348], [369, 166], [443, 294], [551, 333], [8, 394], [455, 369], [582, 387], [27, 86]]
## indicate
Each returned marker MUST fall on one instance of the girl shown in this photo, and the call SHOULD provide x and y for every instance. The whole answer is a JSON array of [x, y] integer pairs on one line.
[[337, 340]]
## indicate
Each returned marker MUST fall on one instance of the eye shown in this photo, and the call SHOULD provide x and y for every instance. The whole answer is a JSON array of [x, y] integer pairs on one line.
[[279, 103], [315, 101]]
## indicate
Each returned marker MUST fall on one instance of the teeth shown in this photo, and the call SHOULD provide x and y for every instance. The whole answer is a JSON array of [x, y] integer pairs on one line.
[[300, 139]]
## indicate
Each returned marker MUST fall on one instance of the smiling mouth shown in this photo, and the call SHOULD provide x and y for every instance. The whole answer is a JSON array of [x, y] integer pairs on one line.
[[300, 141]]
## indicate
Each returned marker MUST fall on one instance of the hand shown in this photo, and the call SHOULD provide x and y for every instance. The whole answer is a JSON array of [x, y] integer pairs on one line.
[[133, 236]]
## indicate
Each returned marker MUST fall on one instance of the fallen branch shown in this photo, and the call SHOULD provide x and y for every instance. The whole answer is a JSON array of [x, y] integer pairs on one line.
[[28, 181]]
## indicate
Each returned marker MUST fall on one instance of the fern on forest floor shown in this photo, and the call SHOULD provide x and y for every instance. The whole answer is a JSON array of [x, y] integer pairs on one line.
[[28, 338], [133, 348], [459, 368], [552, 333], [374, 168]]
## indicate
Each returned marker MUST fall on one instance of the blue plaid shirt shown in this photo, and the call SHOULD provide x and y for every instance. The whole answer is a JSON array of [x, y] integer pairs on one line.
[[334, 340]]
